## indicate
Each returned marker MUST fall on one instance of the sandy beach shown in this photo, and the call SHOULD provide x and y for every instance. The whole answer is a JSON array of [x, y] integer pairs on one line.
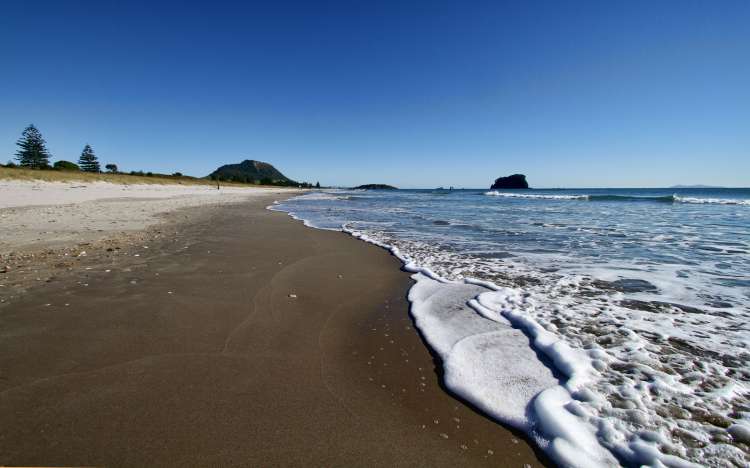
[[218, 333], [51, 214]]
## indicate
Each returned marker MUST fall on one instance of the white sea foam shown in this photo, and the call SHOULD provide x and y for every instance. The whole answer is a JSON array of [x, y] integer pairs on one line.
[[316, 196], [717, 201], [486, 362], [627, 369], [495, 193], [275, 207], [490, 364], [614, 392]]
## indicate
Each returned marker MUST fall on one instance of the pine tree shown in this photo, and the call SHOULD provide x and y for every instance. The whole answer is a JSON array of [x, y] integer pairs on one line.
[[33, 152], [88, 160]]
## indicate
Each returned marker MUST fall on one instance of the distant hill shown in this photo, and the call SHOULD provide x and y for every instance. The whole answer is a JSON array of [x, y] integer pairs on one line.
[[515, 181], [375, 187], [250, 170], [695, 186]]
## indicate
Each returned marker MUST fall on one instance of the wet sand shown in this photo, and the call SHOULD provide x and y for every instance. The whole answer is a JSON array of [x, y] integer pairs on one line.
[[237, 338]]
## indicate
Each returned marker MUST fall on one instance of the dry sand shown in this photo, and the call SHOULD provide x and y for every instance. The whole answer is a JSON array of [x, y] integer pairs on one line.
[[50, 214], [232, 337]]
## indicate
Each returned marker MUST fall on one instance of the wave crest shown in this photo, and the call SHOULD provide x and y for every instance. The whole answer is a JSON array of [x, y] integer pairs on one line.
[[623, 198], [712, 201], [495, 193]]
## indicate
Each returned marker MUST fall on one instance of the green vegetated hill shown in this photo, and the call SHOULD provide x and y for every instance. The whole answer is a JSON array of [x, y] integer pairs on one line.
[[250, 170]]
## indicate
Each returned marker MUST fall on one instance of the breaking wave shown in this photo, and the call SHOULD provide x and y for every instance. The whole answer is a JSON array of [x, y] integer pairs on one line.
[[622, 198]]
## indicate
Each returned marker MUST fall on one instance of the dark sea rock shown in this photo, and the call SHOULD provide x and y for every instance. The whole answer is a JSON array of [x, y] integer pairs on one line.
[[515, 181], [626, 285]]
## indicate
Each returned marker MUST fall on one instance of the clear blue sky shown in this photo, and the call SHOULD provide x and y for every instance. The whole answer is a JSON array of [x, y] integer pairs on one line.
[[416, 94]]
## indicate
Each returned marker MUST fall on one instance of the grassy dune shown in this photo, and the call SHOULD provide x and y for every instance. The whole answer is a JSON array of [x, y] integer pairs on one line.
[[12, 173]]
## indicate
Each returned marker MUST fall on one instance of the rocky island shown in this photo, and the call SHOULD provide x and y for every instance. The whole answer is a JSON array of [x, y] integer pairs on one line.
[[375, 187], [515, 181]]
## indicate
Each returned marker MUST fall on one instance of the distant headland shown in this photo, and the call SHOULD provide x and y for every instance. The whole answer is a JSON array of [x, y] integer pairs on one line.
[[375, 187], [515, 181]]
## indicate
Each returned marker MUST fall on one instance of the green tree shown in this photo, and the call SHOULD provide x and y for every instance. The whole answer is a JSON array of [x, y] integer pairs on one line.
[[112, 168], [88, 160], [317, 184], [33, 152], [66, 166]]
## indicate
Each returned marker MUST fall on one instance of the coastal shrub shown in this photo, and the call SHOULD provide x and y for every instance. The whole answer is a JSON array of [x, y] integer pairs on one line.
[[32, 151], [66, 166], [112, 168], [88, 160], [177, 174]]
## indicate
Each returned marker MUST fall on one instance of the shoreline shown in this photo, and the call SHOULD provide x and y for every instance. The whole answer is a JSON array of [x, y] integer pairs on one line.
[[508, 402], [195, 352], [606, 337]]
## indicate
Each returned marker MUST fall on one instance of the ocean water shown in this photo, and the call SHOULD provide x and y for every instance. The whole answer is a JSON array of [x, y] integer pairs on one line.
[[613, 325]]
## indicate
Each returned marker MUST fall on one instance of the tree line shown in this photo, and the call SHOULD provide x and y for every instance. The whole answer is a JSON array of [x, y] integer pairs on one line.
[[33, 154]]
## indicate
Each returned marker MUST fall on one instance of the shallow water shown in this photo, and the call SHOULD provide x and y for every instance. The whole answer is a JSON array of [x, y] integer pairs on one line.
[[639, 297]]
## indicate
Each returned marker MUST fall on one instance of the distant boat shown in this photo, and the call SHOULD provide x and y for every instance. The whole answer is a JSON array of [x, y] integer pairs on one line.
[[442, 190]]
